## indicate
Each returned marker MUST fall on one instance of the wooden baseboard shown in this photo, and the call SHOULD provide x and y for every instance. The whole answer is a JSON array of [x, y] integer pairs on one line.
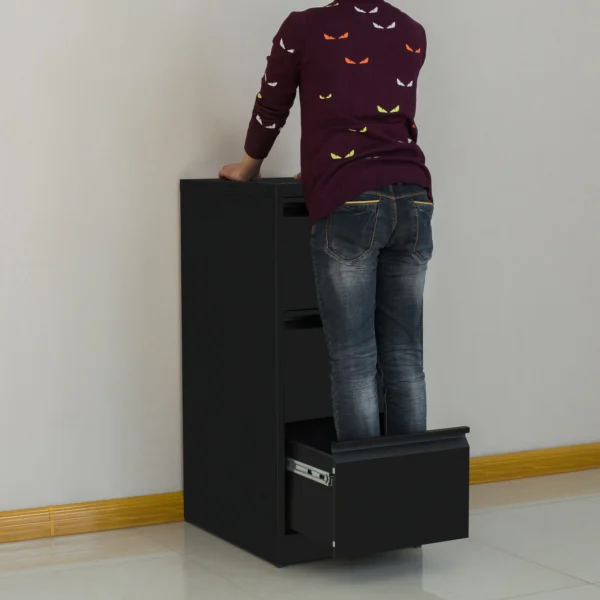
[[536, 463], [90, 517]]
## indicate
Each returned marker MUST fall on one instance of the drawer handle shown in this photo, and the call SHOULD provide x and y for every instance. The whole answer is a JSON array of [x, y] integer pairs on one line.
[[303, 321], [295, 209], [317, 475]]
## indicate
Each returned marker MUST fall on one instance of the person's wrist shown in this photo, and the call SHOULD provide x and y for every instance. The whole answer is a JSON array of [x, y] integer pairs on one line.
[[251, 165]]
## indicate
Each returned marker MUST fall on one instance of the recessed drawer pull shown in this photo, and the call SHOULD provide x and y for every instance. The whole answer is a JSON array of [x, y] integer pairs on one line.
[[312, 473]]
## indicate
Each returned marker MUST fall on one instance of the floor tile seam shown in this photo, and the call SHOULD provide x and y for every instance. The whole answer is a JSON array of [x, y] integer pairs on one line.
[[532, 562], [43, 571], [524, 505], [534, 594]]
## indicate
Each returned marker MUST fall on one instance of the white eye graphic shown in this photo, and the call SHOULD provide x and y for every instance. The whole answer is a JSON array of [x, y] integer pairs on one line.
[[360, 10], [378, 26], [392, 26], [410, 141], [405, 85], [274, 126], [273, 84], [372, 12], [283, 46]]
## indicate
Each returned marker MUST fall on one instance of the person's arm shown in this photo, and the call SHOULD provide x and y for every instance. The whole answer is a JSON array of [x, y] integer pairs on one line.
[[273, 102]]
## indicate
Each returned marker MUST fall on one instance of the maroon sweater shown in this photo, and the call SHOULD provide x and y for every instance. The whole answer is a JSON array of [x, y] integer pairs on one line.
[[356, 63]]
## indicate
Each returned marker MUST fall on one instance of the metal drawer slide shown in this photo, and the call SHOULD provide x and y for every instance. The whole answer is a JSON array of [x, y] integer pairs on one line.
[[312, 473]]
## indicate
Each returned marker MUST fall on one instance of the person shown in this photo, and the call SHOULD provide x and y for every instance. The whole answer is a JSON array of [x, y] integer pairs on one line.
[[368, 194]]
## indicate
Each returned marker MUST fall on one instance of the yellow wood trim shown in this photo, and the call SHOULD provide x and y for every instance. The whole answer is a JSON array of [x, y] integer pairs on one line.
[[19, 525], [536, 463], [90, 517]]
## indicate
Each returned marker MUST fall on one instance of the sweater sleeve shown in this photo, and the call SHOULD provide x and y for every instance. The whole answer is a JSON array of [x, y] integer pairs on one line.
[[278, 89]]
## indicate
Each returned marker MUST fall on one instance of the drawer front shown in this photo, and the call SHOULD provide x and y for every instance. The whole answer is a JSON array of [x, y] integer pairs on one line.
[[307, 388], [384, 494], [295, 262]]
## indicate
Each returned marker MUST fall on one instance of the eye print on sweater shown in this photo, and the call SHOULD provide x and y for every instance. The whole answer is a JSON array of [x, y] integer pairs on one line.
[[336, 157], [259, 96], [270, 83], [341, 37], [286, 49], [332, 5], [411, 49], [407, 85], [260, 121], [364, 12], [363, 130], [326, 97], [392, 26], [383, 110], [409, 141], [352, 62]]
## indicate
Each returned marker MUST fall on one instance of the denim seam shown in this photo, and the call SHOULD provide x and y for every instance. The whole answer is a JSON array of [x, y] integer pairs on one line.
[[326, 336], [354, 202], [411, 195], [417, 240]]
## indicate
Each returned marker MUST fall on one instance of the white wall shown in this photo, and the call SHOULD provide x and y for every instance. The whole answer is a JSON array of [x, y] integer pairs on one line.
[[105, 104]]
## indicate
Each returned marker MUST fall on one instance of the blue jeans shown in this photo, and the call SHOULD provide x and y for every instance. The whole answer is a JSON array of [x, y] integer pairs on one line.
[[370, 259]]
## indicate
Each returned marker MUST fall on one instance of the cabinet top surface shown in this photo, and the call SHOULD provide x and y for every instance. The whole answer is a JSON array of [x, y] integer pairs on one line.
[[261, 182]]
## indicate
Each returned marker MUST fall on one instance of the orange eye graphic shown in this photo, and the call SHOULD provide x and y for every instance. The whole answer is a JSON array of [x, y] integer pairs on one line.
[[342, 37], [409, 48], [418, 51], [362, 62]]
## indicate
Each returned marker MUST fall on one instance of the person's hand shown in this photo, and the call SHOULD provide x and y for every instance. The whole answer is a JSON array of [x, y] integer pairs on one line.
[[298, 176], [246, 170]]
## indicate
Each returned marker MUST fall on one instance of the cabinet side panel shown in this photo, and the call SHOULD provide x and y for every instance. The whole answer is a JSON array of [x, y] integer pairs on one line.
[[230, 415]]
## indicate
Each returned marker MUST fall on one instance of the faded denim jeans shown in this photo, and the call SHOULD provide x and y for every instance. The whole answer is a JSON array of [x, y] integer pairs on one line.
[[370, 259]]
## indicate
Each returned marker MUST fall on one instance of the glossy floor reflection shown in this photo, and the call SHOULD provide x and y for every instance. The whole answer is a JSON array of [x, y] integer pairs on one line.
[[536, 539]]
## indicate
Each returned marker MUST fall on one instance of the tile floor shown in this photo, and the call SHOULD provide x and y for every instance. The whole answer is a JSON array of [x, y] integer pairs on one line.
[[537, 539]]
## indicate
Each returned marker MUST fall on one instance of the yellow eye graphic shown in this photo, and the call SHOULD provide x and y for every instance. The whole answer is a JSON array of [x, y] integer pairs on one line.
[[259, 95], [395, 110], [336, 157], [381, 110], [363, 130], [326, 97], [350, 154]]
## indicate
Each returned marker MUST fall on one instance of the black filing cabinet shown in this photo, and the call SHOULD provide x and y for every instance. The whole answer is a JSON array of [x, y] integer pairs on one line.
[[262, 468]]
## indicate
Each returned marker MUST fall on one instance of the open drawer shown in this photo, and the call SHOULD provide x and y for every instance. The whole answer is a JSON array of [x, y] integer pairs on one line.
[[379, 494]]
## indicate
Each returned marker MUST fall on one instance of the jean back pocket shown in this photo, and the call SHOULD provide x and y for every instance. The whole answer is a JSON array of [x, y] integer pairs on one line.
[[351, 228]]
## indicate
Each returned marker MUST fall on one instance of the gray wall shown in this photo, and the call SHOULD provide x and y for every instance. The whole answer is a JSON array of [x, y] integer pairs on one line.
[[105, 104]]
